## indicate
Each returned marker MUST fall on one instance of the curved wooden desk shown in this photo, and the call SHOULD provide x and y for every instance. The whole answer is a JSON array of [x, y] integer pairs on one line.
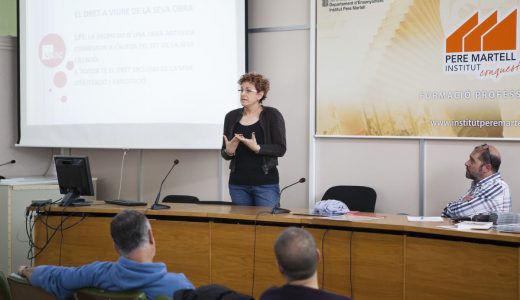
[[389, 258]]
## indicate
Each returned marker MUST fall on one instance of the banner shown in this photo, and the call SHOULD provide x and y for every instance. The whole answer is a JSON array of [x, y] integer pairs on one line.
[[418, 68]]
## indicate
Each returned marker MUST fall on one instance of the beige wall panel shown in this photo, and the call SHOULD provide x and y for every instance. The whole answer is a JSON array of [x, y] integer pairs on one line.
[[391, 167], [196, 174], [29, 161], [282, 57], [105, 164], [273, 13], [445, 173]]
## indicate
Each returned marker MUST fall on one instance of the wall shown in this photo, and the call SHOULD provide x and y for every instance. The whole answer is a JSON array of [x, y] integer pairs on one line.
[[409, 176], [281, 51], [29, 161], [8, 17]]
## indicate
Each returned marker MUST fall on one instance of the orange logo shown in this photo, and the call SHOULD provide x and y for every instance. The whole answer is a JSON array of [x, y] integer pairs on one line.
[[486, 36]]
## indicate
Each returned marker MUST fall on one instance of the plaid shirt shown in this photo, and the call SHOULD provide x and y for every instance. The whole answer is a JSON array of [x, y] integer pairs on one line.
[[490, 194]]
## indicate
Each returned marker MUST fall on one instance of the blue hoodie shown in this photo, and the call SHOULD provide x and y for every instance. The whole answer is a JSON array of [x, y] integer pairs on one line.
[[123, 275]]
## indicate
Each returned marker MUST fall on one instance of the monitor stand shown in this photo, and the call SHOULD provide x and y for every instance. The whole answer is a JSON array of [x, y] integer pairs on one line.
[[73, 199]]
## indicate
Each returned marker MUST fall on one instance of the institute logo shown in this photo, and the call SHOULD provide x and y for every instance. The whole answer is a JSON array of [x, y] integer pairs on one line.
[[487, 49]]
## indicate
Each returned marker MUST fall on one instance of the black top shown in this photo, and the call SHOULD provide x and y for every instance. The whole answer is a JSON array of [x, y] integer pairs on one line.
[[273, 126], [298, 292], [248, 165]]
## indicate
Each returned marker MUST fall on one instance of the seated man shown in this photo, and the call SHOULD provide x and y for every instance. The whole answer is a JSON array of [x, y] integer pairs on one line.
[[134, 270], [488, 192], [297, 259]]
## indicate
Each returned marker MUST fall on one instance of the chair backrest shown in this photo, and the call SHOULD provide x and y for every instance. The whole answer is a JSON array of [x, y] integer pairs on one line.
[[215, 202], [100, 294], [210, 292], [5, 293], [180, 199], [21, 289], [357, 198]]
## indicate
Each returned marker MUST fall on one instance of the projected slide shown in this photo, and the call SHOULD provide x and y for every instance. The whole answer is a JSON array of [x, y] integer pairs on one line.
[[418, 68], [96, 65]]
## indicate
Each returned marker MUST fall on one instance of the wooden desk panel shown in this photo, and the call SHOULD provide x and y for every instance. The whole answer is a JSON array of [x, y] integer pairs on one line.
[[232, 247], [184, 247], [266, 269], [437, 269], [87, 241], [378, 266], [210, 246], [319, 235], [336, 262]]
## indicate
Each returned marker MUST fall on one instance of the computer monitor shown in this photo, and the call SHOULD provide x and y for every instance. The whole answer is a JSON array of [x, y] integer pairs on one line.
[[74, 178]]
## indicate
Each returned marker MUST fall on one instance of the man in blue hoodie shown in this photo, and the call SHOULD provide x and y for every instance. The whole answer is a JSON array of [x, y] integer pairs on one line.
[[134, 270]]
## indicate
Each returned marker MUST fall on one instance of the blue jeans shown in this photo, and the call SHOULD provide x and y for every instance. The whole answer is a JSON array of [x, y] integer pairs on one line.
[[255, 195]]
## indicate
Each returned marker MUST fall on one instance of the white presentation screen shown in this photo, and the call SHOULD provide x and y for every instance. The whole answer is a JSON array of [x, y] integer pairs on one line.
[[137, 74]]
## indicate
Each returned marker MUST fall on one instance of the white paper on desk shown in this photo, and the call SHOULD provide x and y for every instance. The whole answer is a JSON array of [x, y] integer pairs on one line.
[[351, 218], [448, 227], [474, 225], [424, 219]]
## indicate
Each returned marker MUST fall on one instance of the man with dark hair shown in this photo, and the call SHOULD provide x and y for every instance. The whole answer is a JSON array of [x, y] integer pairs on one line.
[[488, 192], [134, 270], [297, 258]]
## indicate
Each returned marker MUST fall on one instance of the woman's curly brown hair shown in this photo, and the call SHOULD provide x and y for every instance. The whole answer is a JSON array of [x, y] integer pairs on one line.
[[258, 80]]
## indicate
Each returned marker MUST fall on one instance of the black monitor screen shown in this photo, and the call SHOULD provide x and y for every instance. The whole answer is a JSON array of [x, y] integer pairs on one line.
[[74, 178]]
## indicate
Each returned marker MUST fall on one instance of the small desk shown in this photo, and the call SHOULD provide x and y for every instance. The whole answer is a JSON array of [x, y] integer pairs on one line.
[[389, 258]]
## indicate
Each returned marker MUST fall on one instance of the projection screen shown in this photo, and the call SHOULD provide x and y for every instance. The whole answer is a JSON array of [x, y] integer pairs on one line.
[[154, 74]]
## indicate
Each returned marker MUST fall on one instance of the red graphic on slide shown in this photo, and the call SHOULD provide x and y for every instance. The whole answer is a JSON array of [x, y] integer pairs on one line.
[[52, 53], [52, 50], [60, 79]]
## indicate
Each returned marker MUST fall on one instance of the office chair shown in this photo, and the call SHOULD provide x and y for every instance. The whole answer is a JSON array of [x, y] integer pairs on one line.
[[357, 198], [180, 199], [100, 294], [5, 293], [21, 289]]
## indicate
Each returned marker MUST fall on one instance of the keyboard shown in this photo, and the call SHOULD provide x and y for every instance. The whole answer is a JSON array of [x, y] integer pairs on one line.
[[126, 202]]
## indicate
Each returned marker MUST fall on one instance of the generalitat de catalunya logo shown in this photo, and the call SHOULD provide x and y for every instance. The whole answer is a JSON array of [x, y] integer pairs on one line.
[[487, 49]]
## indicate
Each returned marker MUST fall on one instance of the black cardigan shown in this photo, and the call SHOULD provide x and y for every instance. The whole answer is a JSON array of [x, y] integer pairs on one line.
[[273, 125]]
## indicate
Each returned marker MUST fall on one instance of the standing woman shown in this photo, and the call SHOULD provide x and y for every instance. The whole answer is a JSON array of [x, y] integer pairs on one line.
[[254, 138]]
